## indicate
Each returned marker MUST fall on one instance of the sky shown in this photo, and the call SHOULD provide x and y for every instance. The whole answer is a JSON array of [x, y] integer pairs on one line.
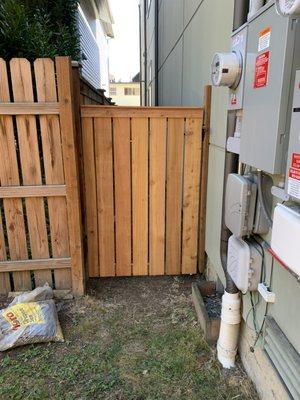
[[124, 48]]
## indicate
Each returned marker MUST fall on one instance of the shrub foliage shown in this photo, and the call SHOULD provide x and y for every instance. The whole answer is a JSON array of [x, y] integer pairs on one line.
[[38, 28]]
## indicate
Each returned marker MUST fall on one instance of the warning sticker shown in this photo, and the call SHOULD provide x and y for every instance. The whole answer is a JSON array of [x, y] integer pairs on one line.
[[296, 161], [261, 70], [24, 314], [294, 183], [264, 39]]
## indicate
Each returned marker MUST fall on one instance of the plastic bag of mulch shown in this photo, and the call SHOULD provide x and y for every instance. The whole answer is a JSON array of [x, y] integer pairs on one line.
[[30, 318]]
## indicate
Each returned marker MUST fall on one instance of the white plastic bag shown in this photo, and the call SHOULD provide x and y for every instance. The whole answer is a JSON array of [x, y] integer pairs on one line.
[[30, 318]]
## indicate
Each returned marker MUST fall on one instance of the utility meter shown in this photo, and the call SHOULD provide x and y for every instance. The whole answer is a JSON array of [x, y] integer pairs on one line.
[[288, 7], [226, 69]]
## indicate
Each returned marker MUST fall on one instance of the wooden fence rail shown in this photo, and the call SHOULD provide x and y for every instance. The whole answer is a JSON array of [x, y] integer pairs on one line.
[[142, 170], [40, 225]]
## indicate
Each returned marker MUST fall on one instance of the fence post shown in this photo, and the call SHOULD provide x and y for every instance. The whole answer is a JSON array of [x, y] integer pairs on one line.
[[204, 175], [68, 132]]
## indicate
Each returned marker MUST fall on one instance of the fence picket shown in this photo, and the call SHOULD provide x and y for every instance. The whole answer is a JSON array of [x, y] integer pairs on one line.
[[9, 176], [191, 195], [139, 132], [105, 197], [53, 164], [158, 134], [175, 145], [122, 172], [30, 164], [90, 196], [4, 276]]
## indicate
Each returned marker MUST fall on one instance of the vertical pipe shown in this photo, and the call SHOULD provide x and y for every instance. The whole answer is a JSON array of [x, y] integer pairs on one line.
[[241, 9], [156, 51]]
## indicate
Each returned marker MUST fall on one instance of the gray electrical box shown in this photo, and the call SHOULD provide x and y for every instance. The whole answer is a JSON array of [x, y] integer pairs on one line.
[[240, 202], [238, 45], [271, 62], [293, 161]]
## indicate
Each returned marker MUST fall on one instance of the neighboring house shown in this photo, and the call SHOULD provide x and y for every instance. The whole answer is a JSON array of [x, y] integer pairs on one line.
[[125, 93], [178, 41], [95, 27]]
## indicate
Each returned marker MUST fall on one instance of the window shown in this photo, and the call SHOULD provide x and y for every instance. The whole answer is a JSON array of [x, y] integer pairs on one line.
[[131, 91], [113, 91]]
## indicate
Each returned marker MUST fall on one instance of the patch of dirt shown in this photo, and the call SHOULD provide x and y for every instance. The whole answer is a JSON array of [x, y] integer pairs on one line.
[[213, 304], [128, 339]]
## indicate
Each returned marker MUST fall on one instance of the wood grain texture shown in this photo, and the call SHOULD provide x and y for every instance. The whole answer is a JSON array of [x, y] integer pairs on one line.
[[9, 192], [30, 164], [174, 195], [53, 165], [91, 216], [204, 177], [105, 196], [191, 195], [139, 132], [121, 133], [36, 265], [141, 112], [68, 135], [4, 277], [29, 108], [158, 135], [9, 175]]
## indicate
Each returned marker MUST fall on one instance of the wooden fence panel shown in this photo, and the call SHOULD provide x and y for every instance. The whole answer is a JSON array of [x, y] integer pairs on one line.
[[105, 198], [157, 195], [147, 176], [38, 241], [122, 175]]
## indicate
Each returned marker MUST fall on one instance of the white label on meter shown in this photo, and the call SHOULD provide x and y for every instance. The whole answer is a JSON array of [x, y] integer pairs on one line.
[[264, 39]]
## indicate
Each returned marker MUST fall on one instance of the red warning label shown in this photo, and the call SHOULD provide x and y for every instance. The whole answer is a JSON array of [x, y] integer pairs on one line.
[[294, 174], [261, 70], [296, 160]]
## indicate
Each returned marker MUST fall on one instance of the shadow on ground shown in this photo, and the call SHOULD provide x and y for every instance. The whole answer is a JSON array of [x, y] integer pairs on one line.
[[131, 338]]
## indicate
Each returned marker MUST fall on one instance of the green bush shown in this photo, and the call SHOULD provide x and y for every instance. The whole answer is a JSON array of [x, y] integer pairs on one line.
[[38, 28]]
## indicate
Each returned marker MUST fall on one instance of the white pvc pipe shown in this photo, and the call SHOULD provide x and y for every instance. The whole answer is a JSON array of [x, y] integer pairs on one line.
[[229, 330], [255, 5]]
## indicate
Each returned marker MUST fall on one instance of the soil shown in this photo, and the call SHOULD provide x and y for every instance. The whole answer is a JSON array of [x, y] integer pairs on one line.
[[213, 304], [128, 339]]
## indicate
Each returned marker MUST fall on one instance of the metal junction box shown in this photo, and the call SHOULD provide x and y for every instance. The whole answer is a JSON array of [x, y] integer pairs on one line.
[[293, 161], [272, 59]]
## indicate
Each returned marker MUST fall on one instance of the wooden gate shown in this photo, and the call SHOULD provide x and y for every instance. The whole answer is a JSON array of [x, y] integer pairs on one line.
[[40, 223], [142, 169]]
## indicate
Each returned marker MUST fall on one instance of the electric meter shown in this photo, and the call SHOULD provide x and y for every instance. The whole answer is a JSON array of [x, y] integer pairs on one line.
[[288, 7], [226, 69]]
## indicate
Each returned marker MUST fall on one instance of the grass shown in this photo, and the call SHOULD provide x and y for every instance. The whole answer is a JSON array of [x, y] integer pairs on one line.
[[131, 339]]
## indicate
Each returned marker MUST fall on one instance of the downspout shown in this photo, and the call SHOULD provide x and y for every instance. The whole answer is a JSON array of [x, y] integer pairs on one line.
[[145, 52], [156, 50], [231, 302], [241, 9], [141, 58]]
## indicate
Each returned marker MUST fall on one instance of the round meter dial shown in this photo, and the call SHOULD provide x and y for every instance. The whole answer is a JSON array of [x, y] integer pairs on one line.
[[288, 7], [226, 69]]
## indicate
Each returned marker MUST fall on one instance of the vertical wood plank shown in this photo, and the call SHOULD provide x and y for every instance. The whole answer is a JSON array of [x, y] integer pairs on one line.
[[158, 134], [191, 187], [9, 176], [122, 168], [30, 164], [53, 164], [204, 176], [139, 132], [104, 171], [91, 197], [174, 195], [67, 124], [4, 277]]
